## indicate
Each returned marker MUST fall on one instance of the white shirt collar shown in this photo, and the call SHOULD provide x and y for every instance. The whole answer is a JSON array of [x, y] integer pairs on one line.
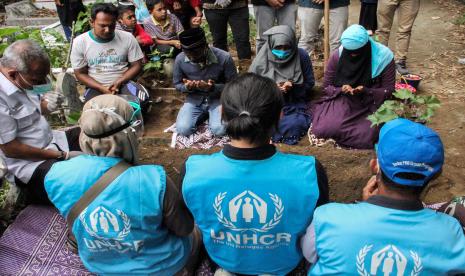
[[7, 86]]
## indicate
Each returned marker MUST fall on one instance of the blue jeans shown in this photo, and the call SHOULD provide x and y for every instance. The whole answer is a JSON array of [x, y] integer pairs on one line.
[[188, 116], [68, 32]]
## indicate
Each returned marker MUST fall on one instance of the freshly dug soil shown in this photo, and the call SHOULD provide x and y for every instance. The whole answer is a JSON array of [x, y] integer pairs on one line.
[[347, 170]]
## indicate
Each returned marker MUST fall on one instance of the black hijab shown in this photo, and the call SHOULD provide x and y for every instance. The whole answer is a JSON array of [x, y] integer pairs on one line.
[[354, 67]]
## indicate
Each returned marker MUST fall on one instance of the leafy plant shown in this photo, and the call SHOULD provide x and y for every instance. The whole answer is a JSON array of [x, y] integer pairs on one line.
[[55, 44], [82, 23], [460, 20], [156, 60], [418, 108], [73, 118]]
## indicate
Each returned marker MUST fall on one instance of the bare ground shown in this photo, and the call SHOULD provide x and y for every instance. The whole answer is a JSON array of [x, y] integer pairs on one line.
[[435, 47]]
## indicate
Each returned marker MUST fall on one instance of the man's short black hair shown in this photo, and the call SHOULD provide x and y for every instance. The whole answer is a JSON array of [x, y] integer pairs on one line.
[[413, 190], [122, 9], [107, 8], [151, 4]]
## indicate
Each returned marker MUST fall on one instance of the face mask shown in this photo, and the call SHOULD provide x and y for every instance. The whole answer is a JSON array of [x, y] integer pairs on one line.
[[38, 89], [281, 54], [136, 121]]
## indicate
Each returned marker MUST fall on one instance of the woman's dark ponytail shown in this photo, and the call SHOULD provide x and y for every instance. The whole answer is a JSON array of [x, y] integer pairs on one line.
[[251, 107]]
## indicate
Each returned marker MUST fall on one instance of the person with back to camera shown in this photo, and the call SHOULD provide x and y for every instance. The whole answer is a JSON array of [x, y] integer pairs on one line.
[[138, 224], [251, 202], [390, 232]]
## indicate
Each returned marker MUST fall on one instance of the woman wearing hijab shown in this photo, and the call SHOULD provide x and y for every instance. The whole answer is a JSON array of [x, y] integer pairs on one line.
[[251, 217], [358, 79], [290, 67], [139, 223]]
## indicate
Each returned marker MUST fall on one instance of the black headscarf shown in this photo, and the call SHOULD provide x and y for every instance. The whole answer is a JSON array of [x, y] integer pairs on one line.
[[354, 67]]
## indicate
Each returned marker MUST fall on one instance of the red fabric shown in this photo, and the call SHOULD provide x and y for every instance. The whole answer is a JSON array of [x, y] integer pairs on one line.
[[145, 38], [195, 3]]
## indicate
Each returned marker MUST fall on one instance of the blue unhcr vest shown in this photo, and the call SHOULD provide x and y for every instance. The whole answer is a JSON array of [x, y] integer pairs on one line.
[[121, 231], [252, 212], [366, 239]]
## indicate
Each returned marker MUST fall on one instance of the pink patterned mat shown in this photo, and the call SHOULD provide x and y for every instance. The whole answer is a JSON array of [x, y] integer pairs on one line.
[[35, 244]]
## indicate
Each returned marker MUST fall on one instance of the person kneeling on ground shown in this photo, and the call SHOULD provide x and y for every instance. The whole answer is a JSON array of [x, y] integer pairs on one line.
[[280, 60], [164, 28], [139, 223], [258, 215], [358, 79], [106, 60], [390, 233], [127, 22], [201, 72], [27, 143]]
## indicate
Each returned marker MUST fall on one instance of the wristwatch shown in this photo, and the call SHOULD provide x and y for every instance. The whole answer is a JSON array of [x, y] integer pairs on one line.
[[62, 156]]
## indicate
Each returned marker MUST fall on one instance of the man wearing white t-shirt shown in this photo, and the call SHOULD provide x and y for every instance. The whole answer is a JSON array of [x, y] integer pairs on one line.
[[103, 59]]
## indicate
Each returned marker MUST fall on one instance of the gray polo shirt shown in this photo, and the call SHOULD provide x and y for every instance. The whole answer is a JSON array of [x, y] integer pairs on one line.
[[21, 119]]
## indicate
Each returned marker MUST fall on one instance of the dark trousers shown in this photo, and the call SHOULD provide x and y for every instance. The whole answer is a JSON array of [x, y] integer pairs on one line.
[[34, 190], [368, 16], [238, 19]]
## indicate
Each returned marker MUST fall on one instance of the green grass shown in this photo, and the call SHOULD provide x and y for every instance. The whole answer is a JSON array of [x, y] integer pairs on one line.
[[460, 20]]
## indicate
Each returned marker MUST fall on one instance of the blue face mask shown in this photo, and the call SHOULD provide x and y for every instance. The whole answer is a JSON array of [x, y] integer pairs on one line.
[[281, 54], [38, 89]]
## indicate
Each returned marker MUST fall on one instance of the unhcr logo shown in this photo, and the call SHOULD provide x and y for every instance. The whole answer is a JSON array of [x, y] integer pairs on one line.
[[108, 230], [248, 220]]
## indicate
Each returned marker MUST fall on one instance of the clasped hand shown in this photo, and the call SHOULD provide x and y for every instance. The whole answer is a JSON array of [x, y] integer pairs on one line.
[[347, 89], [199, 84], [285, 86]]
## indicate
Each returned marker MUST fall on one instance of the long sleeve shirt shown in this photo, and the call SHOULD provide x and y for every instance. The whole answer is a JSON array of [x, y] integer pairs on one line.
[[143, 37], [343, 117], [220, 68]]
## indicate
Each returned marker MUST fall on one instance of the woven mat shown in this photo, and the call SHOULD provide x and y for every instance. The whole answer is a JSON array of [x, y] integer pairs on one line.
[[203, 138], [35, 244]]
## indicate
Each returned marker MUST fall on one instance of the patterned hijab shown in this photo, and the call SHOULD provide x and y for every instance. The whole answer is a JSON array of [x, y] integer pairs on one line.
[[106, 128]]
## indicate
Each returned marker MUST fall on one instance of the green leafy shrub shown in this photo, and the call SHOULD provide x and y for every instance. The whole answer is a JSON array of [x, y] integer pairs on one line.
[[56, 51], [460, 20], [82, 23], [156, 60], [418, 108]]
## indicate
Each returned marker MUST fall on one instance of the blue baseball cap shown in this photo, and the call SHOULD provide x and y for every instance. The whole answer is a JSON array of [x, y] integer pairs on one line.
[[408, 147], [354, 37]]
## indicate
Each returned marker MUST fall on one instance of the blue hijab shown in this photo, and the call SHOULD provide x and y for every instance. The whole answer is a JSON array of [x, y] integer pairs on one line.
[[355, 37]]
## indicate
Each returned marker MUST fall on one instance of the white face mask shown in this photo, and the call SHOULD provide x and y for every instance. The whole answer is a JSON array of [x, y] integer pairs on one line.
[[38, 89]]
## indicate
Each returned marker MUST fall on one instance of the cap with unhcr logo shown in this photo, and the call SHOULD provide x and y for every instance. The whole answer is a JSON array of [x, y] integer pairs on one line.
[[408, 147]]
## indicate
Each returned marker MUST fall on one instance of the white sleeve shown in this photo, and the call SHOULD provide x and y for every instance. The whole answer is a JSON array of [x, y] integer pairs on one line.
[[78, 57], [134, 52], [9, 125], [308, 245]]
